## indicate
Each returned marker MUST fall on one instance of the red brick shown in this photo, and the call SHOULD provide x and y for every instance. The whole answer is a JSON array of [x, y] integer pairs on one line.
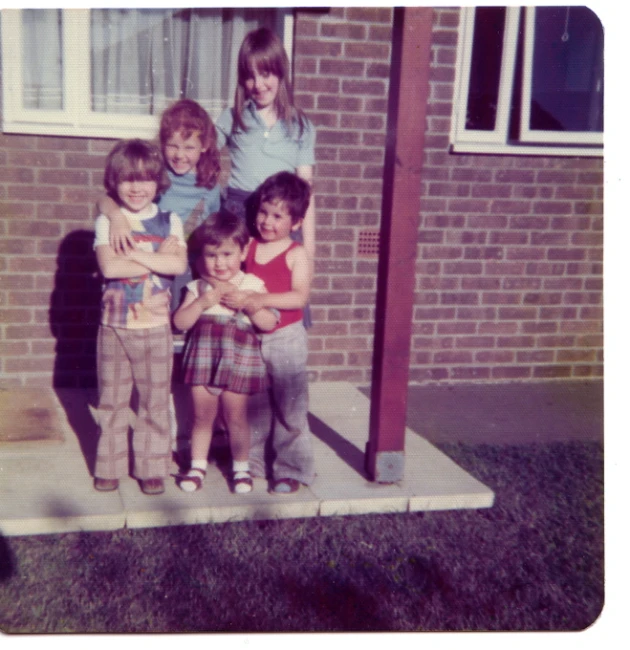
[[495, 356], [338, 103], [370, 122], [17, 175], [515, 372], [517, 313], [306, 47], [362, 87], [548, 372], [535, 356], [343, 31], [464, 342], [380, 33], [325, 359], [17, 247], [30, 364], [317, 84], [19, 332], [468, 373], [45, 193], [498, 328], [20, 210], [476, 313], [501, 298], [369, 14], [515, 342], [345, 343], [341, 68], [452, 357], [545, 327]]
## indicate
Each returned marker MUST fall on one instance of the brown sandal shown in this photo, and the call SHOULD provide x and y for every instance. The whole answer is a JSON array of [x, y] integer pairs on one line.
[[186, 478], [242, 485]]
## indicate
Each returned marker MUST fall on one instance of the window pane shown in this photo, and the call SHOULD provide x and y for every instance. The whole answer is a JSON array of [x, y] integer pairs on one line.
[[42, 82], [144, 59], [485, 68], [567, 78]]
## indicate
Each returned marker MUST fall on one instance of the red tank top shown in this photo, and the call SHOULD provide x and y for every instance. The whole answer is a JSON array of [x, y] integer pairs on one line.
[[277, 278]]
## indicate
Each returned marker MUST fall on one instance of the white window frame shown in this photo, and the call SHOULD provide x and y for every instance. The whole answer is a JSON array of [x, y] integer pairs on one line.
[[496, 141], [76, 118]]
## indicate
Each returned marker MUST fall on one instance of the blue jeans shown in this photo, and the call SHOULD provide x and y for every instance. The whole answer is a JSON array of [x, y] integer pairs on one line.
[[281, 445]]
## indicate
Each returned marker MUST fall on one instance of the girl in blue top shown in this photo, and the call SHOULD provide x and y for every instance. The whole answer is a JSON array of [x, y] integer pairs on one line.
[[264, 132], [188, 142]]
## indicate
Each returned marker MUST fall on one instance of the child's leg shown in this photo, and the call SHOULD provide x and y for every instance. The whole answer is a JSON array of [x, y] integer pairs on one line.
[[115, 384], [235, 412], [205, 405], [151, 354], [285, 354]]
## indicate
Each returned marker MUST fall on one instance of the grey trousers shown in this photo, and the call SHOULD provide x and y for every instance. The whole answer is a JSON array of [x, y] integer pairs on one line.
[[281, 445]]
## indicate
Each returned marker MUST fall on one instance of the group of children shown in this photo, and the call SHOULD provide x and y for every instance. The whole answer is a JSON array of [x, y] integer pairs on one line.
[[229, 270]]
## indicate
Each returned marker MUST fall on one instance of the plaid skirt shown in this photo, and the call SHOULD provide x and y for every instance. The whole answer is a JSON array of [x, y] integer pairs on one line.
[[224, 352]]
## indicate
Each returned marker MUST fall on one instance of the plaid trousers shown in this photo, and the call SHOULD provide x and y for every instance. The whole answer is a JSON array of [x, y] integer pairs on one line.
[[126, 358]]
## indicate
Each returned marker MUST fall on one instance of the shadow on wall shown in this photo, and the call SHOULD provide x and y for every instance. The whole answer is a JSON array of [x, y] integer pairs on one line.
[[74, 311], [74, 317]]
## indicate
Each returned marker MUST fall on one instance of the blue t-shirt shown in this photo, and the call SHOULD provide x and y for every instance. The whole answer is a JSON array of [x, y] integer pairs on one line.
[[193, 205], [260, 152]]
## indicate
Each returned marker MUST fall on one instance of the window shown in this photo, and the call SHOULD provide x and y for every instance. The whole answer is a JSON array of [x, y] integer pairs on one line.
[[111, 72], [530, 81]]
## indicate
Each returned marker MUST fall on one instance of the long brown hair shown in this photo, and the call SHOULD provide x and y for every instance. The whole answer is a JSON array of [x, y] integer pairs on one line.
[[262, 50], [187, 116]]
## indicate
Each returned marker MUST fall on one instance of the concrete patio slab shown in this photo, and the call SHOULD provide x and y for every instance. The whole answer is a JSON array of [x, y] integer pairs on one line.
[[62, 497]]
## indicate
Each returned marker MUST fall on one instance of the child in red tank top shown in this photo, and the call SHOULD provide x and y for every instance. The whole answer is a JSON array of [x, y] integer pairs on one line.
[[285, 268]]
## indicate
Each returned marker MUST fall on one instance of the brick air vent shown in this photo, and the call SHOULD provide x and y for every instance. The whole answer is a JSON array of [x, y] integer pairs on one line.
[[368, 243]]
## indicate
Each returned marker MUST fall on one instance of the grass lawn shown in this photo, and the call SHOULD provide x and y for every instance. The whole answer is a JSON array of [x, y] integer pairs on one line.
[[535, 561]]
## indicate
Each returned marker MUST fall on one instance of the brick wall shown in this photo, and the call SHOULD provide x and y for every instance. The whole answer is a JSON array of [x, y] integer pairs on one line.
[[509, 271], [342, 74]]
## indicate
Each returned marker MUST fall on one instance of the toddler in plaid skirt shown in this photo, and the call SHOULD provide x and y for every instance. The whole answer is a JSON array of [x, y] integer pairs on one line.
[[222, 360]]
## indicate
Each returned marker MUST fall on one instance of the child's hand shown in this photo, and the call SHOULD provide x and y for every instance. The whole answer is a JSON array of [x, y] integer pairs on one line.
[[120, 236], [253, 303], [235, 299], [221, 286], [208, 297]]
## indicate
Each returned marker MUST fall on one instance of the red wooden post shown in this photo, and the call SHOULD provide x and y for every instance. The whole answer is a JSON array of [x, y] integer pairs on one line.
[[409, 87]]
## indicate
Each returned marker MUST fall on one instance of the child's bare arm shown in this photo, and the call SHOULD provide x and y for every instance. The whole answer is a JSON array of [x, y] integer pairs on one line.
[[169, 259], [113, 266], [120, 237], [192, 308], [263, 319]]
